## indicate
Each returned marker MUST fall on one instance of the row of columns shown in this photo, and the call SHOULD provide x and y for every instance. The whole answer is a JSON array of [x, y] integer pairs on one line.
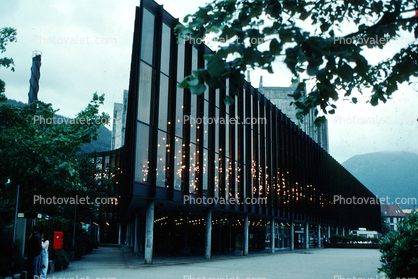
[[149, 234]]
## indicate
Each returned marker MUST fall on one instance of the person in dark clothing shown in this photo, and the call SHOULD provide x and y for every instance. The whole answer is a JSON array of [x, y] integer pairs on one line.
[[34, 253]]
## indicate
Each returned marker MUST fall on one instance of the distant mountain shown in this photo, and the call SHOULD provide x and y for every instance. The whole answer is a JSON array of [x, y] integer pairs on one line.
[[102, 143], [392, 174]]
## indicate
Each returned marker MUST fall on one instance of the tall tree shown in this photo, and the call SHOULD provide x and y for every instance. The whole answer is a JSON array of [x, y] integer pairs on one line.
[[311, 37], [40, 153], [7, 35]]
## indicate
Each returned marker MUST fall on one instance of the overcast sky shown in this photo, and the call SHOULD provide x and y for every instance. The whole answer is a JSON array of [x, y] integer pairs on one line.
[[86, 47]]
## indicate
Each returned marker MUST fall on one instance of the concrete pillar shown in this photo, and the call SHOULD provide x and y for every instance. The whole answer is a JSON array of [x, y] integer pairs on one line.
[[306, 235], [149, 232], [208, 234], [292, 236], [272, 234], [336, 230], [136, 234], [319, 236], [119, 234], [329, 232], [246, 235], [128, 234], [343, 231], [282, 235]]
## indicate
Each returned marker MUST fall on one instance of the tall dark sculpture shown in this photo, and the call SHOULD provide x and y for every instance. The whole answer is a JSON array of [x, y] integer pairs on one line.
[[35, 76]]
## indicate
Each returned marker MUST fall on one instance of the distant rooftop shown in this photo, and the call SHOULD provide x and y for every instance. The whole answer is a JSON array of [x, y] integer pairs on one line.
[[392, 210]]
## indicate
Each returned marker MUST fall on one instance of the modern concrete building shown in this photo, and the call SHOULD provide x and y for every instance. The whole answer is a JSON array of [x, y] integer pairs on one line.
[[279, 96], [194, 182]]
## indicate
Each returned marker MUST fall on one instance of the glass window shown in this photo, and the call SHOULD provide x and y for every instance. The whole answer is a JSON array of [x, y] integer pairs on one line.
[[165, 49], [227, 127], [180, 62], [193, 115], [161, 159], [142, 153], [193, 169], [237, 180], [216, 175], [216, 123], [178, 164], [147, 40], [205, 172], [179, 112], [194, 59], [228, 173], [144, 93], [205, 124], [162, 112], [217, 101]]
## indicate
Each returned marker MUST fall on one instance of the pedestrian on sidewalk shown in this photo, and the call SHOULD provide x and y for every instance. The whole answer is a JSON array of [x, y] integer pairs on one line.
[[34, 253], [44, 257]]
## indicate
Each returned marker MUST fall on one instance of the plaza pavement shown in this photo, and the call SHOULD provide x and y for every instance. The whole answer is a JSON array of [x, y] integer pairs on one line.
[[119, 263]]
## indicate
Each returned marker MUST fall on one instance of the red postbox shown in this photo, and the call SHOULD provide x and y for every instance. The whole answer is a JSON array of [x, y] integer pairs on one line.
[[58, 240]]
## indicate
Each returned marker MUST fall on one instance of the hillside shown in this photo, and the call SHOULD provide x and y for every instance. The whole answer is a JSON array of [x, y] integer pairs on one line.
[[392, 174]]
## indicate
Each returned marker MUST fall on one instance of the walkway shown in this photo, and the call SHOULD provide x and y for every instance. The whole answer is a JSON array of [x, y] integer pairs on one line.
[[118, 263]]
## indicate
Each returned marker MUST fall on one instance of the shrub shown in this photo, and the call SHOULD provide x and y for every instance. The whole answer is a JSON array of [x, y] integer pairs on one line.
[[400, 250], [62, 259]]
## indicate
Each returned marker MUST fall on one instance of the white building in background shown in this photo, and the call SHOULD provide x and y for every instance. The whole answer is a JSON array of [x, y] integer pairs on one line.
[[279, 97], [393, 213], [119, 122]]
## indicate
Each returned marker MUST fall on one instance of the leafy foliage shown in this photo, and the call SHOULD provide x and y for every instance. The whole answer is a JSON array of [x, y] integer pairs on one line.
[[255, 33], [400, 250], [42, 158], [7, 35], [62, 260]]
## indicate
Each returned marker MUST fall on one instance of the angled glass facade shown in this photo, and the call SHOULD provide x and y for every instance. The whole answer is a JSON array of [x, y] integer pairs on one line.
[[179, 144]]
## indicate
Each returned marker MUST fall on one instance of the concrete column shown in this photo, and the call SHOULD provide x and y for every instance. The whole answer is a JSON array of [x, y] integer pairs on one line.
[[306, 235], [128, 234], [282, 235], [343, 231], [272, 234], [319, 236], [292, 236], [149, 232], [208, 234], [246, 235], [119, 234], [329, 232], [336, 230], [136, 234]]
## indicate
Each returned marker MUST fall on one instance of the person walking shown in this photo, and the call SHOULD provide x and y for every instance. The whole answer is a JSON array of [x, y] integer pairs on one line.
[[44, 257], [34, 253]]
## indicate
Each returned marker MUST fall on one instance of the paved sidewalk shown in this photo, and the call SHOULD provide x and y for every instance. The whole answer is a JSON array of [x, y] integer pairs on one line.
[[117, 262]]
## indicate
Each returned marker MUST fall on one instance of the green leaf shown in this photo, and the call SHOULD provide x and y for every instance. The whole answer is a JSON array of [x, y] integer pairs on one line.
[[228, 100], [199, 89], [275, 47], [215, 65], [183, 84]]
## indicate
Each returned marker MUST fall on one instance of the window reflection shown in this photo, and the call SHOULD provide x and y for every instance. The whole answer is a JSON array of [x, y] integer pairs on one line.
[[193, 170], [178, 163], [142, 153], [165, 49], [163, 100], [147, 42], [161, 159], [144, 93]]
